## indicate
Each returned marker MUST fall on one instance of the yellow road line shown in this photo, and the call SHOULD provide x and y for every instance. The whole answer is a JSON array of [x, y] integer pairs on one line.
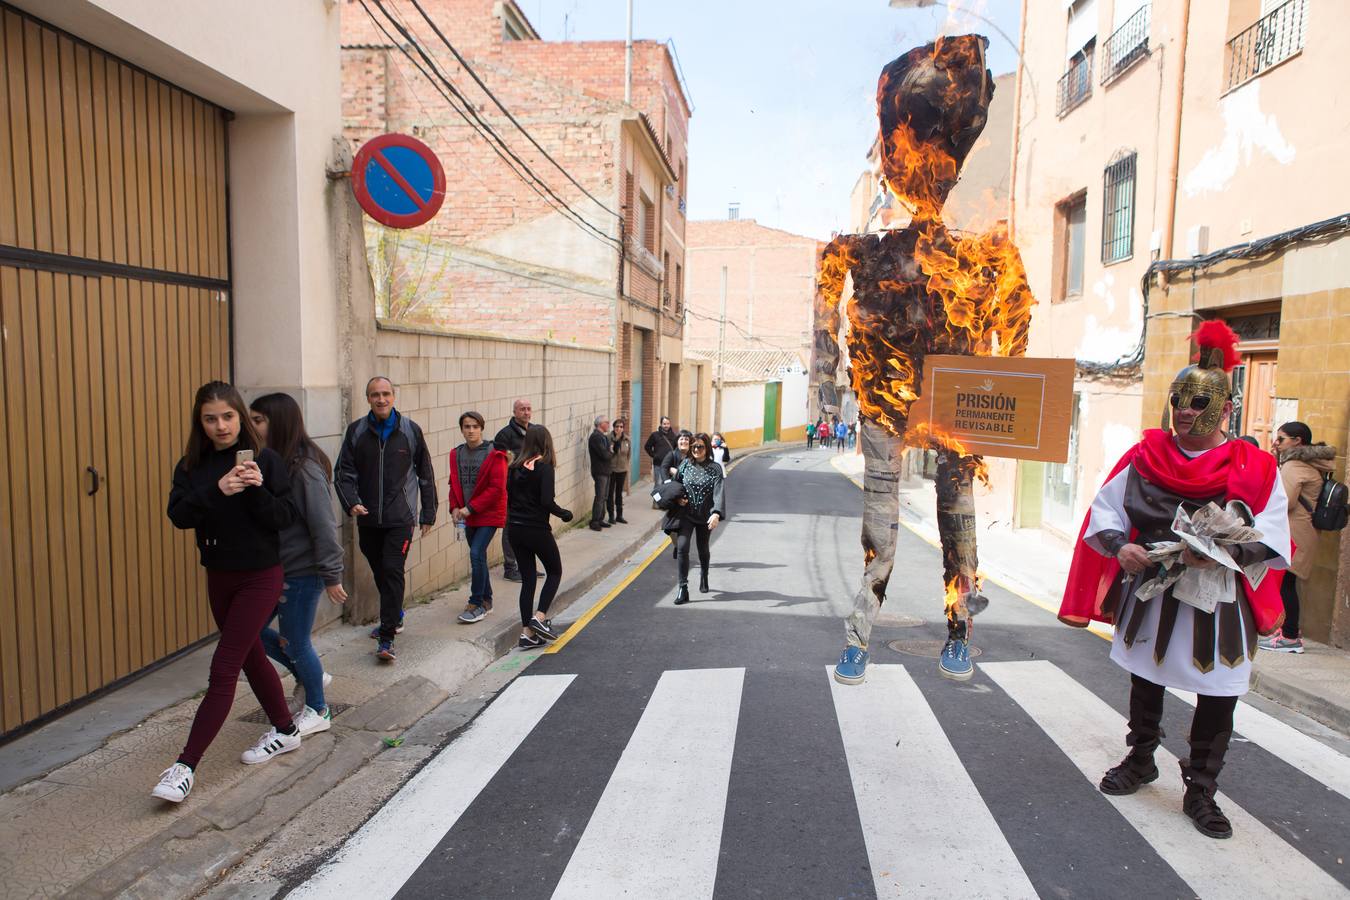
[[984, 575], [594, 611]]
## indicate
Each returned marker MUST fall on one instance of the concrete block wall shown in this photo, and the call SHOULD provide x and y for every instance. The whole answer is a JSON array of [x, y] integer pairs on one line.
[[439, 375]]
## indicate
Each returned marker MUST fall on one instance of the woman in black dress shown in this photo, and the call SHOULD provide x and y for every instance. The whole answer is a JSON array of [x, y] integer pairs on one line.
[[702, 480]]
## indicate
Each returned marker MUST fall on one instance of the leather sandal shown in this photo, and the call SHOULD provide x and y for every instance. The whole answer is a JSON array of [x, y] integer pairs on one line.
[[1129, 776]]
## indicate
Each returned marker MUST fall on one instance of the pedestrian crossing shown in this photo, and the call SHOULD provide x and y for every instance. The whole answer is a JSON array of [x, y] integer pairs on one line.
[[656, 829]]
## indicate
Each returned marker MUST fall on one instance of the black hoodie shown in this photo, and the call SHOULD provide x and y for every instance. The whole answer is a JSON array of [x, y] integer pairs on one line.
[[241, 532]]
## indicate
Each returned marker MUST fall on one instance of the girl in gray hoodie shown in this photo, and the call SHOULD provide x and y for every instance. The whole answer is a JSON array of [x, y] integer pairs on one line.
[[311, 556]]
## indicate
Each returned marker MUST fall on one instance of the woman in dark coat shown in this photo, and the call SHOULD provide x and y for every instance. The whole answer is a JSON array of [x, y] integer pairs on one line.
[[703, 510]]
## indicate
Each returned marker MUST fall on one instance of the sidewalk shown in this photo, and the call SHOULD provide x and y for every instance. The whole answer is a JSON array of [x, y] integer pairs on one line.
[[1034, 565], [76, 814]]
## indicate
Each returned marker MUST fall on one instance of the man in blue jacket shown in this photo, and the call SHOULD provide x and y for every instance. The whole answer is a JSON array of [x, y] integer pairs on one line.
[[382, 469]]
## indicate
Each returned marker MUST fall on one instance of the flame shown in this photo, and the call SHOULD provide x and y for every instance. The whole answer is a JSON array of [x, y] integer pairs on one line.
[[955, 593]]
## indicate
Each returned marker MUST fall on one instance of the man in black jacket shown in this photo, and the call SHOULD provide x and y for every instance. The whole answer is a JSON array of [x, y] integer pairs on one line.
[[382, 469], [660, 442], [509, 441], [602, 457]]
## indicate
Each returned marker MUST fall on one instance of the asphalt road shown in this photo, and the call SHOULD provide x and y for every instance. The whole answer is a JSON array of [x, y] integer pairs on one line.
[[704, 751]]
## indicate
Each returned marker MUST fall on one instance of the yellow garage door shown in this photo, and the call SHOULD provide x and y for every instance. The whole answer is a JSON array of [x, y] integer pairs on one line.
[[114, 306]]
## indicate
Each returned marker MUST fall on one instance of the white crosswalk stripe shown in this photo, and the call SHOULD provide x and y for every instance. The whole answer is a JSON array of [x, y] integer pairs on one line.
[[1310, 756], [657, 829], [1091, 734], [387, 850], [900, 759]]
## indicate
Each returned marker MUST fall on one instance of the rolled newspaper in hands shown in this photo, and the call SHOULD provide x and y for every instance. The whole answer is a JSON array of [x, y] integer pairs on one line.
[[1206, 534]]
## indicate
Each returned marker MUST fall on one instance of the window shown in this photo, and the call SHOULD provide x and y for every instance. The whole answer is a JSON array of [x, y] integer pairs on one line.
[[1075, 85], [629, 205], [1128, 43], [665, 274], [1118, 209], [679, 287], [1071, 247], [647, 222], [1276, 36]]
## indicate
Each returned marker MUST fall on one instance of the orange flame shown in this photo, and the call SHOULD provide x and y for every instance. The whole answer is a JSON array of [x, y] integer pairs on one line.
[[955, 593]]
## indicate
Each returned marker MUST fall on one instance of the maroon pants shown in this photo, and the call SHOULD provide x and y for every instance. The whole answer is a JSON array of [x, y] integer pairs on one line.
[[241, 603]]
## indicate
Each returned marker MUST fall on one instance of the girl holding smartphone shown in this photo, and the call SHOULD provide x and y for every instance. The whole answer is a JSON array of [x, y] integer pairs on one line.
[[311, 556], [235, 494]]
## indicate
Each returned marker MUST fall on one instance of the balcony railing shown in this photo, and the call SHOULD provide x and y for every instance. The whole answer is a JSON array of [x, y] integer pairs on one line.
[[1126, 46], [1075, 85], [1274, 38]]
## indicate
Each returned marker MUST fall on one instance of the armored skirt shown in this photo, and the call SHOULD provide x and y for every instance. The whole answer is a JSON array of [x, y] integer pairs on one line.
[[1164, 640]]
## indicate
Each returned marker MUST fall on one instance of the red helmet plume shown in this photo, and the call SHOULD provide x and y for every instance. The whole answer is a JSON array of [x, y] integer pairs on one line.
[[1216, 335]]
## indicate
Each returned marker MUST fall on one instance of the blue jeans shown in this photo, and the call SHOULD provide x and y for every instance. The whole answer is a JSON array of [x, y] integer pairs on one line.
[[292, 647], [480, 587]]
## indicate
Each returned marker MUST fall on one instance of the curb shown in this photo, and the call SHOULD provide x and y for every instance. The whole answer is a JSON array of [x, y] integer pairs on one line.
[[1272, 687]]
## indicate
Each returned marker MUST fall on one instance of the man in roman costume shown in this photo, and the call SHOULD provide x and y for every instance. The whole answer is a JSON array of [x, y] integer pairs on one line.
[[1164, 641]]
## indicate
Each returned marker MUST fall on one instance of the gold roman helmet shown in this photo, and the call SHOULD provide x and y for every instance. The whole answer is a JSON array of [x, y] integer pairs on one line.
[[1203, 386]]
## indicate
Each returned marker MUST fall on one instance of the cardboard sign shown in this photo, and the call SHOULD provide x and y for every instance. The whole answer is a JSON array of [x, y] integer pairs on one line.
[[997, 406]]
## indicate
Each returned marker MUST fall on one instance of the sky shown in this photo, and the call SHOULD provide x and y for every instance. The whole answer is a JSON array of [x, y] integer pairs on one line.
[[784, 93]]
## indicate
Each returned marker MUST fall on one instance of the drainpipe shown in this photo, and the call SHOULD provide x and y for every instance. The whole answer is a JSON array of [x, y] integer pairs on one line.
[[1169, 231], [628, 59], [1017, 126]]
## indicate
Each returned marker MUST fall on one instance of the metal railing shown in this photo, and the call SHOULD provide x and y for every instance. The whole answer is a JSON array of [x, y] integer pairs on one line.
[[1075, 85], [1126, 46], [1274, 38]]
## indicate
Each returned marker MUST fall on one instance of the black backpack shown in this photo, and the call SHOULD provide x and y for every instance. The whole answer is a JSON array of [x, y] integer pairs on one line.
[[1331, 512]]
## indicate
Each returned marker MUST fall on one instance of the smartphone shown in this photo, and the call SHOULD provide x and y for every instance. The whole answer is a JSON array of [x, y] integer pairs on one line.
[[243, 456]]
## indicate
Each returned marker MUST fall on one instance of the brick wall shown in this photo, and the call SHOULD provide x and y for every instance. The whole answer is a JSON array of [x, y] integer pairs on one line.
[[438, 376]]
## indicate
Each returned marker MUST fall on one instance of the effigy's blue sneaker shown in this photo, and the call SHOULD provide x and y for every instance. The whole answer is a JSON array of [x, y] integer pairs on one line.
[[852, 666], [955, 661]]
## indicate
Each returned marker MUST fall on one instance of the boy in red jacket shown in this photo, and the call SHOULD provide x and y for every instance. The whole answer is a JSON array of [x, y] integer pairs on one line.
[[478, 473]]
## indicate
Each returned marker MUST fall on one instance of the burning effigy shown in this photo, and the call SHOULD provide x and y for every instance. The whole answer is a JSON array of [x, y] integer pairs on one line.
[[919, 290]]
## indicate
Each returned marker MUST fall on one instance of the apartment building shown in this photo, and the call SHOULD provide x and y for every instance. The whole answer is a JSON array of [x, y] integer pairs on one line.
[[595, 256], [1176, 161]]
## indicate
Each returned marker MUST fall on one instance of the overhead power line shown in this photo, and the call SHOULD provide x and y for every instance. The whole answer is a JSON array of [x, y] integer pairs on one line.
[[465, 110], [474, 75]]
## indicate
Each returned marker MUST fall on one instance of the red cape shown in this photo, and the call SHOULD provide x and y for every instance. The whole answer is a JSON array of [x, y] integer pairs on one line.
[[1237, 470]]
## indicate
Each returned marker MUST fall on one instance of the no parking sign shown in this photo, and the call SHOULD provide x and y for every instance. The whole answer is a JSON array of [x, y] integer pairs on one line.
[[398, 181]]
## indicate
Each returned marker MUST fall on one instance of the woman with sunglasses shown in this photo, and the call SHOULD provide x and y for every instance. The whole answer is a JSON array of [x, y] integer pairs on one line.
[[1303, 465], [701, 476]]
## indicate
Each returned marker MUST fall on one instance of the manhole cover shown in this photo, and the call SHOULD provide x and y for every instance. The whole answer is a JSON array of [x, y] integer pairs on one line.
[[899, 621], [930, 649], [260, 717]]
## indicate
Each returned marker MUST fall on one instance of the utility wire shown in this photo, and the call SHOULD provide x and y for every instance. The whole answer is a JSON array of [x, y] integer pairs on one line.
[[485, 130], [461, 105], [474, 75]]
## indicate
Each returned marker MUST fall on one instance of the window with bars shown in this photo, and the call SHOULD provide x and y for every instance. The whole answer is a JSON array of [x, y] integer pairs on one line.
[[1279, 34], [679, 287], [665, 274], [1118, 210]]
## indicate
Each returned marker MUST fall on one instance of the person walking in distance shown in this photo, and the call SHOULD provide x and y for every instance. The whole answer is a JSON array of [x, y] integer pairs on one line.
[[234, 493], [702, 480], [721, 453], [311, 555], [841, 436], [618, 471], [530, 501], [660, 442], [601, 453], [383, 468], [478, 505], [1303, 465], [810, 434], [509, 441]]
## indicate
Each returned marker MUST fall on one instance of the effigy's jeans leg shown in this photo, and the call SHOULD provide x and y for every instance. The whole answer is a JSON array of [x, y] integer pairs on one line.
[[881, 519], [956, 529]]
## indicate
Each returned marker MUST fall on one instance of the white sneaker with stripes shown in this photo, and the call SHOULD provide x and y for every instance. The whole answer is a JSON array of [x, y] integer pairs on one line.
[[175, 784], [271, 744]]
